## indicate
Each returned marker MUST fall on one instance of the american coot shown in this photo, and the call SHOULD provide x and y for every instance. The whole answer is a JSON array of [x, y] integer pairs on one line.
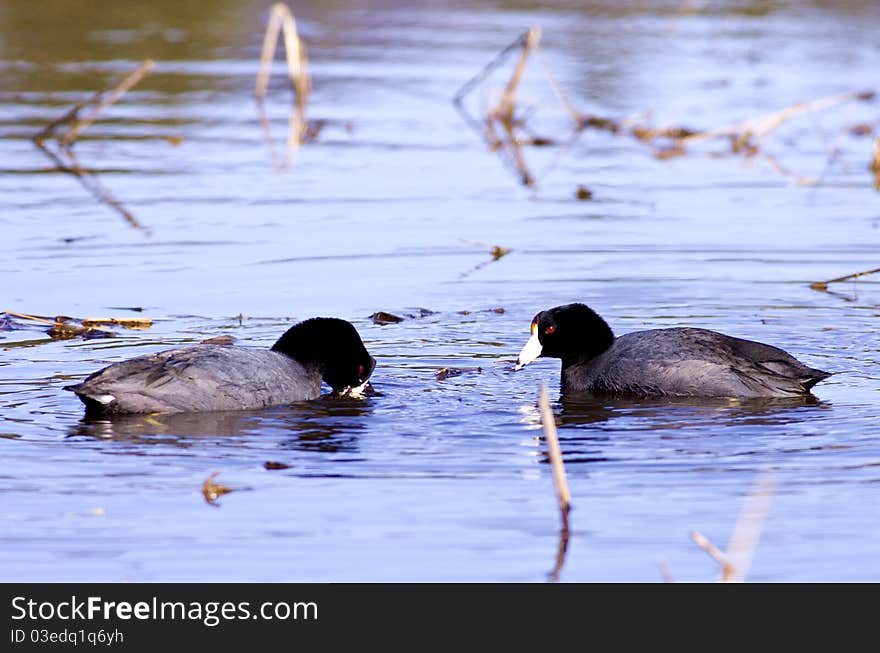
[[216, 377], [677, 362]]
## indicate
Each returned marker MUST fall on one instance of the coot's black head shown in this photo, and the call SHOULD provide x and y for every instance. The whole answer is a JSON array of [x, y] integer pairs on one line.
[[573, 332], [333, 345]]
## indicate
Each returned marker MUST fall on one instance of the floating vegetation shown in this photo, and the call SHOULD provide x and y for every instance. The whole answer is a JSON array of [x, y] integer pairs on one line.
[[63, 155], [823, 285], [299, 130], [63, 326], [583, 193], [213, 491], [67, 330], [382, 318], [127, 322], [497, 309], [495, 251], [449, 372]]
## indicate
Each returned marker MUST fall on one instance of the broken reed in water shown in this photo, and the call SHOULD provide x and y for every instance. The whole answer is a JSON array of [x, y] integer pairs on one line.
[[62, 326], [735, 562], [555, 454], [64, 158], [299, 130], [501, 125], [281, 20], [823, 285]]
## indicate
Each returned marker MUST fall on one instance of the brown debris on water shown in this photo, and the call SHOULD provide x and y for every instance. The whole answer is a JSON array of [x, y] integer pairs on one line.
[[861, 129], [272, 464], [823, 285], [449, 372], [63, 326], [497, 252], [63, 156], [583, 193], [67, 330], [126, 322], [383, 318], [219, 340], [213, 491], [497, 309]]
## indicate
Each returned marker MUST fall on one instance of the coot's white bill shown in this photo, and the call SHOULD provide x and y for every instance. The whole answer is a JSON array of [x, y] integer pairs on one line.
[[531, 351]]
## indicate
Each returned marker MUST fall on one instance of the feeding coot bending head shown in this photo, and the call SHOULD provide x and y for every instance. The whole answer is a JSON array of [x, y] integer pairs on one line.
[[216, 377], [676, 362]]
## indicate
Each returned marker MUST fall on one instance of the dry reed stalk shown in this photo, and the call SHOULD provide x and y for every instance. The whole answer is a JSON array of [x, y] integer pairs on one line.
[[823, 285], [556, 465], [101, 103], [281, 20], [744, 539], [504, 112], [125, 322], [735, 562], [746, 132], [65, 142], [506, 106], [91, 184], [717, 554], [63, 321], [875, 163], [267, 136], [71, 114], [34, 318], [785, 172], [666, 572], [578, 117], [559, 563], [500, 125]]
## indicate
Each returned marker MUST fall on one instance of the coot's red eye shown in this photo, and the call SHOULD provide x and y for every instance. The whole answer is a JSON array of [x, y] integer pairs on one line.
[[549, 330], [360, 371]]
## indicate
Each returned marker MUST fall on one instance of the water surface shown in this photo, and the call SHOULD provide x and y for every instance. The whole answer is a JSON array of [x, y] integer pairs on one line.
[[395, 208]]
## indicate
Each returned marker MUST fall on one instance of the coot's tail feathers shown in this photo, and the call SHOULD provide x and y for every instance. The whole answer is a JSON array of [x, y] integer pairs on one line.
[[814, 376], [95, 403]]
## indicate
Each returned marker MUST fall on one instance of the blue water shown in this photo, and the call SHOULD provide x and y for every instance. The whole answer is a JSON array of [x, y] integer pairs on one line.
[[395, 207]]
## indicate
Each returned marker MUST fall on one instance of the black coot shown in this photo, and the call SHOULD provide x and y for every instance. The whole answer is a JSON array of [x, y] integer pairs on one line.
[[677, 362], [216, 377]]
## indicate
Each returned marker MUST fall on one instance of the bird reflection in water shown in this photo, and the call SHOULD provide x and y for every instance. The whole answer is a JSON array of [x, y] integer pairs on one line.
[[587, 421], [329, 424]]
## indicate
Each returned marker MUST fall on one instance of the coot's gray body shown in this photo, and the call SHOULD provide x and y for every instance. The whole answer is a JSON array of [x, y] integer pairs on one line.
[[200, 378], [216, 377], [688, 362], [676, 362]]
